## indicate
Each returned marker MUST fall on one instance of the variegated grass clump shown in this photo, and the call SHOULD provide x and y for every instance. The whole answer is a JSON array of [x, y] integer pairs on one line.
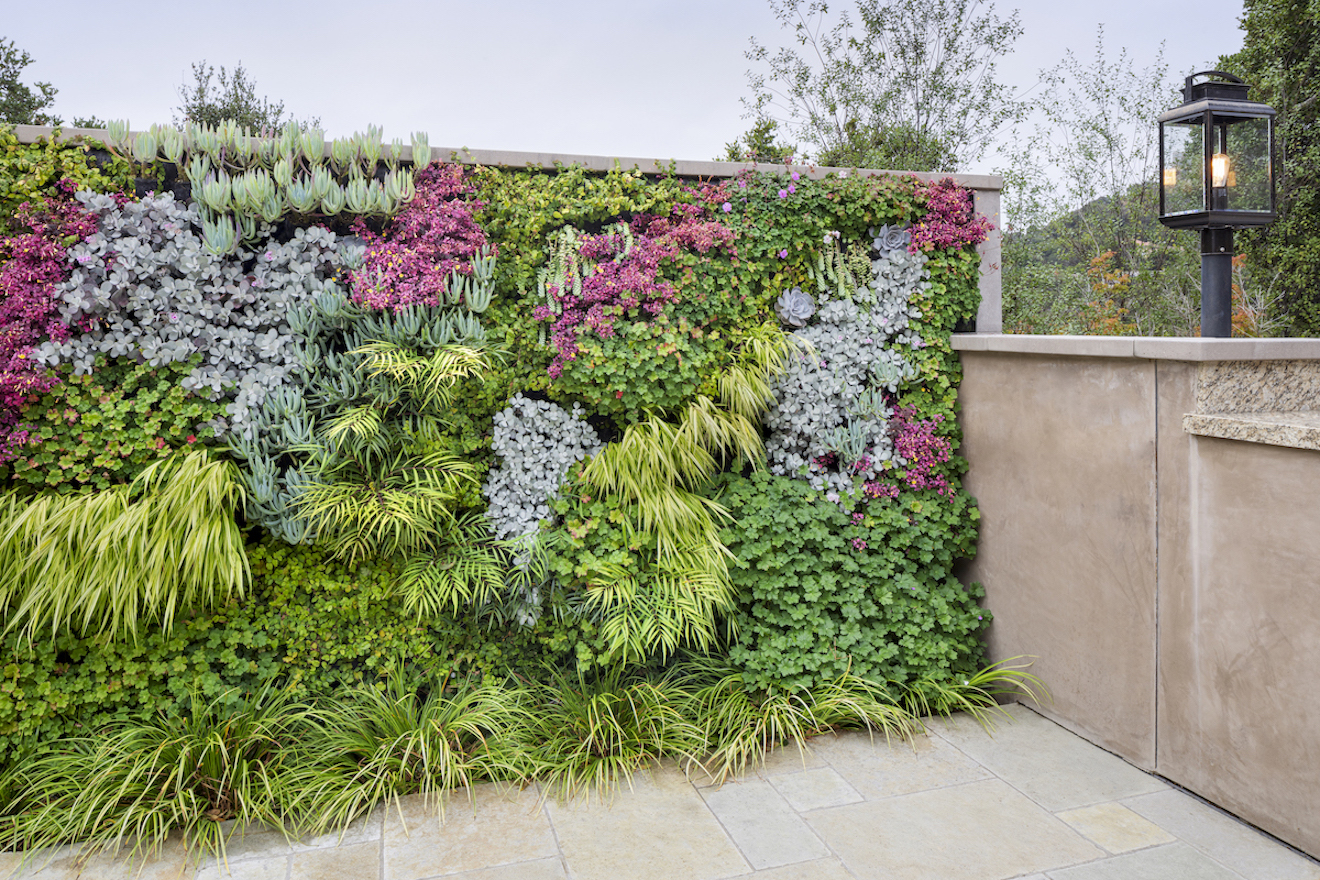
[[263, 760], [128, 786], [375, 745]]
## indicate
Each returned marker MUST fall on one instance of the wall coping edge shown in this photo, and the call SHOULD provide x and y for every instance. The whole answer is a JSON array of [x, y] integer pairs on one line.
[[521, 159], [1173, 348]]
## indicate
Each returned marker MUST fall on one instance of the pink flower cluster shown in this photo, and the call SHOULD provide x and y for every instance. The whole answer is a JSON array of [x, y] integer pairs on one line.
[[431, 237], [916, 442], [34, 264], [618, 283], [950, 221]]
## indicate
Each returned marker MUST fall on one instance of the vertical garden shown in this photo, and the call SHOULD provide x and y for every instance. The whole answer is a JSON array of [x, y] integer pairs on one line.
[[333, 473]]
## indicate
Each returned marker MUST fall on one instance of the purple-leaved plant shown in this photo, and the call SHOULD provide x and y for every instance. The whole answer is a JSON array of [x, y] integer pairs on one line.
[[432, 236], [915, 441], [619, 282], [950, 221], [34, 264]]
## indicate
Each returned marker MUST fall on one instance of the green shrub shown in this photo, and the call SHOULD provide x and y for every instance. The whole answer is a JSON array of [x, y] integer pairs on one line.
[[313, 625], [30, 171], [821, 595], [101, 429]]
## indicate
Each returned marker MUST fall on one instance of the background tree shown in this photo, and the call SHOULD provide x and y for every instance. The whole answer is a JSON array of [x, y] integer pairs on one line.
[[28, 105], [1280, 58], [911, 87], [760, 144], [1084, 250], [215, 96], [21, 104]]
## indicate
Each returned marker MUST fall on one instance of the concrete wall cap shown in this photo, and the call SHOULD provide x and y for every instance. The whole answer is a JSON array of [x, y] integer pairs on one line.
[[1146, 347], [520, 159]]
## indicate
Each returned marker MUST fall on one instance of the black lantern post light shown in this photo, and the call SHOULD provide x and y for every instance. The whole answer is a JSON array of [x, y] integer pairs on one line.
[[1217, 156]]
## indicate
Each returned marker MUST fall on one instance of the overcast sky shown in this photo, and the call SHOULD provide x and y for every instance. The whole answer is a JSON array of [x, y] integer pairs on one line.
[[624, 78]]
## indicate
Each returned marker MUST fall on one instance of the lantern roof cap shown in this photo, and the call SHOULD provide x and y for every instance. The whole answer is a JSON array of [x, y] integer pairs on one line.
[[1231, 89], [1219, 107]]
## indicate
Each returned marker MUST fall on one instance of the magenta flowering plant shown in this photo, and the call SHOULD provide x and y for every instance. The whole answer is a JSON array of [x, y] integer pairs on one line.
[[435, 235], [34, 265], [950, 221], [916, 442], [622, 278]]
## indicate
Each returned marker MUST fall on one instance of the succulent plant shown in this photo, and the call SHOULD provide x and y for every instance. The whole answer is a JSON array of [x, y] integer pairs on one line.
[[311, 143], [117, 135], [829, 421], [173, 143], [795, 308], [536, 443], [343, 156], [333, 199], [421, 150], [145, 146], [301, 196], [282, 171], [891, 238], [148, 285]]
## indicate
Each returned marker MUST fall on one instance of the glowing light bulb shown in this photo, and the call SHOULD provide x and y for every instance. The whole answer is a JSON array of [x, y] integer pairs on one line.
[[1219, 170], [1170, 177]]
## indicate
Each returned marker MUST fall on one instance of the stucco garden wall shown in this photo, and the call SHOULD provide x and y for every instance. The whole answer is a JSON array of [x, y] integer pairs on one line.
[[1151, 532]]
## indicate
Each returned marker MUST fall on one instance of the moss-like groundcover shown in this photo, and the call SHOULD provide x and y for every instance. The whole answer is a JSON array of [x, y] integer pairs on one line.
[[331, 477]]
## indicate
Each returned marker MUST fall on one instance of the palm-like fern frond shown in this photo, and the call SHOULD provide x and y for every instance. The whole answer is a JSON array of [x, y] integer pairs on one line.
[[468, 569], [402, 505], [678, 605], [431, 379]]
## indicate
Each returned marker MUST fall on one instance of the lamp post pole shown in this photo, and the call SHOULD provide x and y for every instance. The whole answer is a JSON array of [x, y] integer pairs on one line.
[[1217, 282]]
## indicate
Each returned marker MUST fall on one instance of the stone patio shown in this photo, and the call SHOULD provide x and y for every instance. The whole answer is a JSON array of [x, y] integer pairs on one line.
[[1033, 802]]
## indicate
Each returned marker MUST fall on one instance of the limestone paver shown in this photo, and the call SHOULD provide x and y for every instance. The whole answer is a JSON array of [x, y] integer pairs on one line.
[[977, 831], [356, 861], [1054, 767], [170, 863], [792, 759], [763, 826], [823, 869], [781, 761], [1115, 827], [660, 829], [1177, 861], [1223, 838], [360, 830], [255, 843], [499, 827], [253, 869], [815, 789], [541, 869], [879, 769]]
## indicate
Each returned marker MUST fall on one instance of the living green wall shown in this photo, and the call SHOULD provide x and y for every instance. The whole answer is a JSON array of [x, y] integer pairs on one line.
[[471, 419]]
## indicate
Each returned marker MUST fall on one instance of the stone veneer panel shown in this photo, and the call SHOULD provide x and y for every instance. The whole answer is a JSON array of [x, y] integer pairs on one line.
[[1258, 386]]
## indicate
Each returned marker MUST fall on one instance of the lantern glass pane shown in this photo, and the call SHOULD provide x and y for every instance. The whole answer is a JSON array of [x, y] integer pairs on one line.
[[1183, 175], [1247, 144]]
